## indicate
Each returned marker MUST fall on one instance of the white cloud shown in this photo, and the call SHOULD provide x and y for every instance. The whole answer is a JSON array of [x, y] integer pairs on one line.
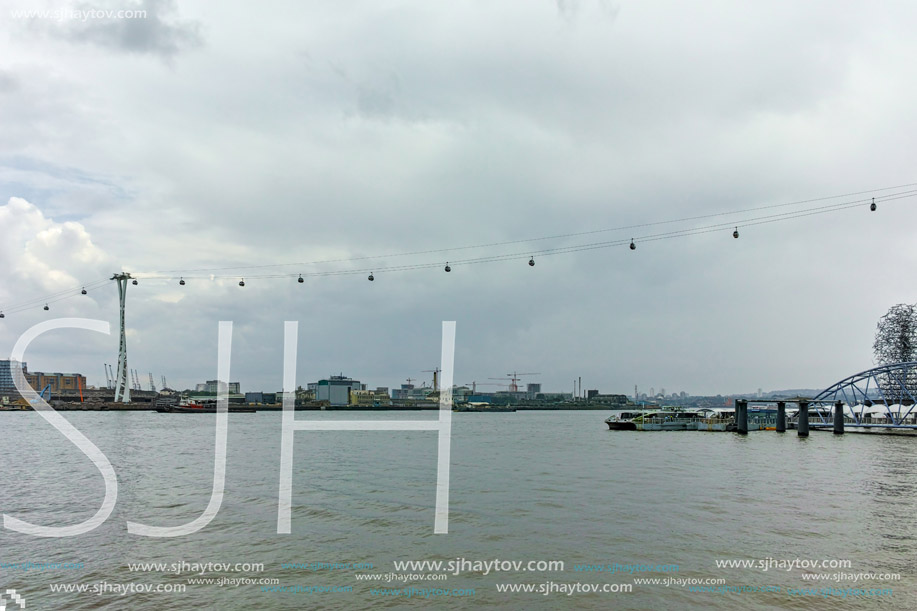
[[43, 254]]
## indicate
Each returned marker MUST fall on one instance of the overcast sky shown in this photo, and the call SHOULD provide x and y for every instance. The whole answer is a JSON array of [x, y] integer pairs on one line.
[[229, 135]]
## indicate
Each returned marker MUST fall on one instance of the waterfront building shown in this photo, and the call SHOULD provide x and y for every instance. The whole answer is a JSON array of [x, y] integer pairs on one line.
[[336, 389], [370, 398], [555, 397], [58, 382], [403, 392], [509, 396], [460, 394], [212, 386], [608, 398], [303, 395], [409, 392], [70, 383], [262, 397]]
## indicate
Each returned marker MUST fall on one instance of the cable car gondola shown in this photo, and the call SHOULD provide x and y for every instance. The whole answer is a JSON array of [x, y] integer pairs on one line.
[[370, 277], [47, 308], [735, 233], [134, 282], [872, 206], [83, 292], [632, 245], [300, 279], [181, 282], [448, 269], [242, 282], [532, 262]]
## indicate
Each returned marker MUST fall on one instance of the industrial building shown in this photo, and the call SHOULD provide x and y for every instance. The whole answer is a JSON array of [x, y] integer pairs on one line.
[[261, 397], [336, 389], [409, 392]]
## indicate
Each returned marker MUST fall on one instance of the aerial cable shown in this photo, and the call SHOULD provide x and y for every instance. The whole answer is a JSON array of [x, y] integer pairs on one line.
[[784, 216], [542, 238], [746, 222]]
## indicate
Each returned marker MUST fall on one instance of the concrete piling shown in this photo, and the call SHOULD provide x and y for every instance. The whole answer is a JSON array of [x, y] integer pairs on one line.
[[781, 417], [838, 418], [741, 416], [802, 426]]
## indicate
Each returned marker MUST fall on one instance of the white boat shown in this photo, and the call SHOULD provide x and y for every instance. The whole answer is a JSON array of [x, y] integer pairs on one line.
[[623, 421], [661, 420]]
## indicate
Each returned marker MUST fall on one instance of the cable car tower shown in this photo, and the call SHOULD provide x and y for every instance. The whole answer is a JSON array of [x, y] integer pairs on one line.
[[122, 384]]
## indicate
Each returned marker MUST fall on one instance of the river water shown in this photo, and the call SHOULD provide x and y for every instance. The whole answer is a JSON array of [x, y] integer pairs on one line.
[[525, 486]]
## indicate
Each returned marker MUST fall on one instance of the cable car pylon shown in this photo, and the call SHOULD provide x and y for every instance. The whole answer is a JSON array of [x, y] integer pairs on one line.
[[122, 386]]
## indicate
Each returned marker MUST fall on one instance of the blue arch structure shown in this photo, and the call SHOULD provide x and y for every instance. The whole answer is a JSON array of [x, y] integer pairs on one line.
[[862, 393]]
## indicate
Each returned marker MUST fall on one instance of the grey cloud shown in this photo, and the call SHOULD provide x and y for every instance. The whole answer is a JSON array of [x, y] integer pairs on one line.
[[378, 101], [379, 96], [570, 9], [8, 82], [159, 33]]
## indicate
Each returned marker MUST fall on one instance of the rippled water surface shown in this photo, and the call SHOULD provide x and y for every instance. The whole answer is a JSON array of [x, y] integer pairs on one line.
[[525, 486]]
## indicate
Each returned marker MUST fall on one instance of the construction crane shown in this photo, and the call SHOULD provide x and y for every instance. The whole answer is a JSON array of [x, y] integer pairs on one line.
[[474, 385], [410, 380], [514, 379], [152, 386], [435, 373]]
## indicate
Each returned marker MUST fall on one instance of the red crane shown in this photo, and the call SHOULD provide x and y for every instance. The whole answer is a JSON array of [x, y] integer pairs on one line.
[[513, 387]]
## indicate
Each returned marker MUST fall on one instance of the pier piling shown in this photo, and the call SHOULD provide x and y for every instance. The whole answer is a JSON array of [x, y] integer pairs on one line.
[[838, 418], [781, 417], [802, 426], [742, 416]]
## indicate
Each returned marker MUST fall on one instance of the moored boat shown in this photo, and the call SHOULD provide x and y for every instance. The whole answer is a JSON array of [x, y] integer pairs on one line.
[[623, 421], [191, 407], [176, 409], [662, 420]]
